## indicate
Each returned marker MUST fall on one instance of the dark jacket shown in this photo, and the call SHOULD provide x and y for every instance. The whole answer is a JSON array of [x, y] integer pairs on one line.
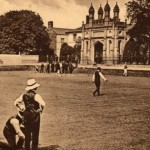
[[97, 77], [30, 114]]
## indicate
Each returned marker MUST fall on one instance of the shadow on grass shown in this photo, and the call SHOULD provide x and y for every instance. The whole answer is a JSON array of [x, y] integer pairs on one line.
[[99, 95], [5, 146]]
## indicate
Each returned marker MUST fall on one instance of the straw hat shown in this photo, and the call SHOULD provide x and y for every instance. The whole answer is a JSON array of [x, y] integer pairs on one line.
[[31, 84]]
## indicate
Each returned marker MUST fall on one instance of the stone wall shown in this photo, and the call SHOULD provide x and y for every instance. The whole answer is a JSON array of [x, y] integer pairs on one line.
[[7, 59]]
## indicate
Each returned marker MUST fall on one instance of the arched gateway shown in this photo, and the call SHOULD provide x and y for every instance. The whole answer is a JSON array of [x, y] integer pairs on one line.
[[102, 39], [98, 52]]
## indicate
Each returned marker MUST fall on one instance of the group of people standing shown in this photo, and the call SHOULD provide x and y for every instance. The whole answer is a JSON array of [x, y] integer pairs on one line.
[[26, 123], [56, 67]]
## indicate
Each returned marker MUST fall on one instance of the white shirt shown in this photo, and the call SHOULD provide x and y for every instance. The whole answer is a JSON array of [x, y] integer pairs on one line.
[[15, 124], [101, 75], [37, 98]]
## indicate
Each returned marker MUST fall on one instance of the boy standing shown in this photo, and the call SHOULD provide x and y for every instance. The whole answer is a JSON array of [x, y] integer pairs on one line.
[[125, 69], [97, 80]]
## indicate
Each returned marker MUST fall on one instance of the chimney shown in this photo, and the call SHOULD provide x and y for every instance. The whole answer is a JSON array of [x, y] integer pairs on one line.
[[50, 24]]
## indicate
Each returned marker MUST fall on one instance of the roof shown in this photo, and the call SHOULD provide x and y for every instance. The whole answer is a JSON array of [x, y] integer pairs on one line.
[[61, 31], [107, 7], [100, 10], [91, 9], [116, 8], [75, 30]]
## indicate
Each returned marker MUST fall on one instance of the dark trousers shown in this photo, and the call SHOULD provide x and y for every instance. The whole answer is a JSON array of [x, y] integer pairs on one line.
[[11, 139], [32, 133], [97, 88]]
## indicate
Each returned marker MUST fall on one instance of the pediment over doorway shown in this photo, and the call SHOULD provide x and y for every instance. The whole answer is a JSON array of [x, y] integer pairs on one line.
[[98, 41]]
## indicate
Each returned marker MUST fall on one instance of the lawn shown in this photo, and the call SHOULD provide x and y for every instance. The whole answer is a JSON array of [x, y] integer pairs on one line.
[[119, 119]]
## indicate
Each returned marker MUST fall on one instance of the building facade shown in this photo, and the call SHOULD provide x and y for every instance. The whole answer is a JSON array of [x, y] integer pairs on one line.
[[58, 36], [102, 39]]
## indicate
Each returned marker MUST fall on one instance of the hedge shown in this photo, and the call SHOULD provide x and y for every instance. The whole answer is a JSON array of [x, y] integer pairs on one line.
[[119, 72], [17, 68]]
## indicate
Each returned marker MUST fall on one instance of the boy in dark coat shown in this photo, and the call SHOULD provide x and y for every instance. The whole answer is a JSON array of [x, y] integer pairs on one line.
[[97, 80]]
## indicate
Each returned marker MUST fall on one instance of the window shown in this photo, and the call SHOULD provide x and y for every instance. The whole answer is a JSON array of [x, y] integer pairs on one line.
[[62, 40], [78, 41], [110, 42], [119, 46], [120, 32], [79, 38], [87, 45], [74, 37]]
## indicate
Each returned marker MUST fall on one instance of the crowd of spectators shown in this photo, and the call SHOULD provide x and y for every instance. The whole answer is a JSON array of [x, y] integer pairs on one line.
[[56, 67]]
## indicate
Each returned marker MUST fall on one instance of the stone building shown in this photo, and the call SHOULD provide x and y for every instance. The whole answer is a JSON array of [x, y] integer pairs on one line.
[[58, 36], [102, 39]]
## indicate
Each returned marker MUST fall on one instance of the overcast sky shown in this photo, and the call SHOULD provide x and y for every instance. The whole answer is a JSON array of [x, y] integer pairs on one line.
[[64, 13]]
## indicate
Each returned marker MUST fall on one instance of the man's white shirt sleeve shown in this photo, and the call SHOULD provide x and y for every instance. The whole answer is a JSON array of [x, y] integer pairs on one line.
[[18, 100], [93, 78], [15, 124], [101, 75], [39, 99]]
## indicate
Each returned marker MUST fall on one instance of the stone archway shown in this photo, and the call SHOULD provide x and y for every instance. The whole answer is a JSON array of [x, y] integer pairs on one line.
[[98, 52]]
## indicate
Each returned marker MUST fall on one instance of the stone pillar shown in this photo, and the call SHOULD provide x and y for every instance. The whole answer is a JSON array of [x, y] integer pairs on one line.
[[92, 53], [90, 47], [105, 47], [115, 45], [82, 52], [82, 45]]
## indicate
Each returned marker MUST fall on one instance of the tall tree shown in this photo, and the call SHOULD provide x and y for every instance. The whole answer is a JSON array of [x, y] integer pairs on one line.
[[23, 32], [130, 51], [66, 52], [77, 52], [70, 53], [138, 12]]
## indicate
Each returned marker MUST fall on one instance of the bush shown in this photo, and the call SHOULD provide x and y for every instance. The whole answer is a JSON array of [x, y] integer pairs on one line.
[[17, 68]]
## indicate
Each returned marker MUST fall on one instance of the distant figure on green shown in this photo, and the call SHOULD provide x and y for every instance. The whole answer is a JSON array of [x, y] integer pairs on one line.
[[125, 73]]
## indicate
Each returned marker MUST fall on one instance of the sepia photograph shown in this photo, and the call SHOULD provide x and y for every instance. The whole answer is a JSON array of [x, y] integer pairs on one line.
[[75, 75]]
